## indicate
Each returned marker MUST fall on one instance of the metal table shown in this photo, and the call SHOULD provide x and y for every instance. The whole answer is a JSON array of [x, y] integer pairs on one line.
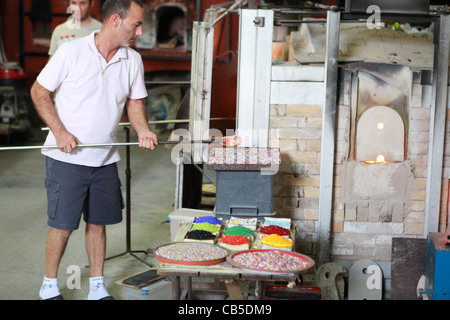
[[222, 271], [225, 272]]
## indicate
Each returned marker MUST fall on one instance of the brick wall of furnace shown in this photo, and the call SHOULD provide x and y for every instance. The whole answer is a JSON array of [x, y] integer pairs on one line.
[[359, 232]]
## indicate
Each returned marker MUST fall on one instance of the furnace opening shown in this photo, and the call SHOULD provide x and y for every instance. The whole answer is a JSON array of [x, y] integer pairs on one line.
[[381, 96], [171, 27]]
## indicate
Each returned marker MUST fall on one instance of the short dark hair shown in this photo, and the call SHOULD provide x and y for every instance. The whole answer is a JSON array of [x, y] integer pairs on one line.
[[119, 7]]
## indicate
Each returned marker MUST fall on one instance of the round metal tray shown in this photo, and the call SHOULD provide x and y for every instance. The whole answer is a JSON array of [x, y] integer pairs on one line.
[[192, 253], [306, 261]]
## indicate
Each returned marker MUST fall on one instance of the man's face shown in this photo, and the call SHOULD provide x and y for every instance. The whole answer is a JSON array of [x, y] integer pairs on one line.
[[131, 27], [85, 8]]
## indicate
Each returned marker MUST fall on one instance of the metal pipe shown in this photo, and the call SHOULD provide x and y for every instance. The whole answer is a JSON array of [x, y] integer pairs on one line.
[[168, 82], [113, 144], [163, 122], [233, 6]]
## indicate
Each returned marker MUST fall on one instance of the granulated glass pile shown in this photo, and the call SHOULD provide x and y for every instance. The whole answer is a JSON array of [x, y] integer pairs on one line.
[[270, 261], [191, 252]]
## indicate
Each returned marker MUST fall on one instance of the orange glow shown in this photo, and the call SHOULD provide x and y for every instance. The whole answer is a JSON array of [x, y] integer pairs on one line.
[[380, 159]]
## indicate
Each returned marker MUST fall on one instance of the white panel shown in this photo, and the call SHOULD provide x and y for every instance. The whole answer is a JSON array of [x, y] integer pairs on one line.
[[292, 71], [254, 72], [201, 75], [307, 93]]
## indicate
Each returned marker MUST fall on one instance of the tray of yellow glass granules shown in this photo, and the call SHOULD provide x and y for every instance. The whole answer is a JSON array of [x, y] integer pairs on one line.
[[273, 261]]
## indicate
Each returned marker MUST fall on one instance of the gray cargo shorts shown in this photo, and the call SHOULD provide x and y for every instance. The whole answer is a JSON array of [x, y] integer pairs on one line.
[[73, 190]]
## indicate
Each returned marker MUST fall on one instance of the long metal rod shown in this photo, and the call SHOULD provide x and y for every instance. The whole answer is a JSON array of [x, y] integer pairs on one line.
[[232, 7], [113, 144], [162, 122]]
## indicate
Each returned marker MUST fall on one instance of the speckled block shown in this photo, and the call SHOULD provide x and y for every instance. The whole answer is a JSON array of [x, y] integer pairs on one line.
[[244, 158]]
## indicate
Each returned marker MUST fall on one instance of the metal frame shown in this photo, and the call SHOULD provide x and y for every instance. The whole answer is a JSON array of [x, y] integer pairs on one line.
[[328, 135], [201, 77], [438, 120], [254, 73]]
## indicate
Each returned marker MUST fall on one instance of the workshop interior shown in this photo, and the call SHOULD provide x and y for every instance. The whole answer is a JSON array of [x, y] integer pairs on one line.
[[304, 153]]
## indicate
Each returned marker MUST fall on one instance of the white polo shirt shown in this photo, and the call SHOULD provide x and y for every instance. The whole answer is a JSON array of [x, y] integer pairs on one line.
[[91, 97]]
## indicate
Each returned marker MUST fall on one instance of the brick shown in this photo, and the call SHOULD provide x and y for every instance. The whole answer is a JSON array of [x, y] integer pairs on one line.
[[311, 214], [413, 228], [416, 205], [309, 226], [416, 89], [303, 110], [300, 133], [342, 250], [386, 213], [342, 134], [312, 168], [309, 203], [398, 212], [418, 137], [311, 192], [419, 171], [420, 183], [289, 202], [419, 160], [368, 251], [383, 240], [374, 211], [374, 252], [278, 110], [415, 216], [287, 145], [338, 215], [350, 211], [416, 101], [298, 156], [418, 195], [304, 181], [354, 239], [282, 122], [362, 213], [314, 145], [287, 191], [314, 122], [420, 113], [419, 125], [418, 148], [373, 227], [337, 226]]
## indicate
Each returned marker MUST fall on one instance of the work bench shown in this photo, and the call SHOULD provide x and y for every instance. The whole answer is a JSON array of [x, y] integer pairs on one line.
[[222, 272]]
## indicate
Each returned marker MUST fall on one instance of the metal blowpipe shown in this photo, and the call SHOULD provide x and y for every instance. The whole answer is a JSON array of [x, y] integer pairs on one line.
[[227, 141]]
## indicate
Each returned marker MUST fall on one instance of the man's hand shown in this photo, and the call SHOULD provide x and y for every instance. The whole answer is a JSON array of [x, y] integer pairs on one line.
[[148, 140], [66, 142], [42, 99], [138, 120]]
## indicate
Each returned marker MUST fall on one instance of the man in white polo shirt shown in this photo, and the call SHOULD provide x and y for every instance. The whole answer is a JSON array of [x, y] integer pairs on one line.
[[94, 77]]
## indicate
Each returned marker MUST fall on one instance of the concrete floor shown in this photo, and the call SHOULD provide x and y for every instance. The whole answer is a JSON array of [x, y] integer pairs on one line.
[[23, 227]]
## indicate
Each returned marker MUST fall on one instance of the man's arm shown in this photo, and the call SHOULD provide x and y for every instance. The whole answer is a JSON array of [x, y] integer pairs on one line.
[[42, 99], [139, 122]]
